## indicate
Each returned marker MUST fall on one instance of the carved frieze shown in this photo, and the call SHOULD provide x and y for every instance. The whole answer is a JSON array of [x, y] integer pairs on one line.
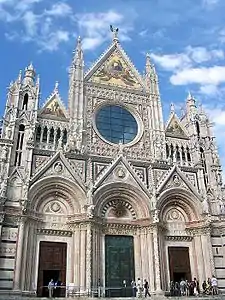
[[54, 232]]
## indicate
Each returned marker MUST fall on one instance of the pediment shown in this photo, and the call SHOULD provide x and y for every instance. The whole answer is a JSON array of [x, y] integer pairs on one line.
[[174, 128], [58, 165], [116, 69], [121, 171], [54, 107], [175, 178]]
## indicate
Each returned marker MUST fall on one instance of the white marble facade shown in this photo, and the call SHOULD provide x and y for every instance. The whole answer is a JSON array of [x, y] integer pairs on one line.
[[62, 181]]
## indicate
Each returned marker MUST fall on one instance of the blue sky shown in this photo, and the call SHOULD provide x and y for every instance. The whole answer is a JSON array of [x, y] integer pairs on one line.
[[186, 40]]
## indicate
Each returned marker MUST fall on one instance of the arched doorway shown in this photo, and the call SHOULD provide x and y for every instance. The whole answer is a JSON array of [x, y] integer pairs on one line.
[[122, 211]]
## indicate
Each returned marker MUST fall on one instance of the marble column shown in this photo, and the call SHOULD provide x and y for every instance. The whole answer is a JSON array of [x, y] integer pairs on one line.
[[156, 260], [19, 256], [25, 258], [151, 261], [1, 223], [88, 257], [144, 258], [137, 255], [206, 256], [199, 259], [76, 241], [83, 259]]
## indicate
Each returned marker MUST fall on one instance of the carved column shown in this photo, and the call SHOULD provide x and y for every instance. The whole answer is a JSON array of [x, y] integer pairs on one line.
[[199, 258], [137, 255], [156, 259], [88, 257], [208, 254], [19, 256], [76, 252], [1, 223], [151, 261], [25, 258], [83, 259]]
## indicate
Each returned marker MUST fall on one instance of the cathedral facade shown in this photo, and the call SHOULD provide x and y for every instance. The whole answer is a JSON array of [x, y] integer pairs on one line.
[[104, 192]]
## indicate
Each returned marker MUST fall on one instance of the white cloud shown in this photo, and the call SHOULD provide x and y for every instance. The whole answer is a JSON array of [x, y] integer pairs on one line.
[[93, 27], [212, 75], [39, 25], [59, 9], [171, 62], [209, 90]]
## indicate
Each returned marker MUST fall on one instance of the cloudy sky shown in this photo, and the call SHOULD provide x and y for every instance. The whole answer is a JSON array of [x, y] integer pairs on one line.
[[185, 38]]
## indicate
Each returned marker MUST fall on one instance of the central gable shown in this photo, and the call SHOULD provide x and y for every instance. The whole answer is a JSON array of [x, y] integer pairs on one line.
[[115, 68]]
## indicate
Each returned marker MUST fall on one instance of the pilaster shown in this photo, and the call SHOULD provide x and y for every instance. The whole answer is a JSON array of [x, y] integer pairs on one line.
[[19, 256]]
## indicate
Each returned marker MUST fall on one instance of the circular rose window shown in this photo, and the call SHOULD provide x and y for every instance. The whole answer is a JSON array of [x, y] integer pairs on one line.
[[116, 124]]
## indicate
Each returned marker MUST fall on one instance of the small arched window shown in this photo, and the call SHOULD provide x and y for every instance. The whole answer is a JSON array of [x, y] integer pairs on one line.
[[25, 102], [38, 133], [188, 154], [167, 151], [197, 128], [19, 145], [51, 136], [45, 135], [177, 153], [64, 140]]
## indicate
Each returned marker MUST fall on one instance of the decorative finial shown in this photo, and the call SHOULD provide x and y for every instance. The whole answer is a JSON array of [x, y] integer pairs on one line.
[[148, 67], [56, 86], [19, 79], [190, 97], [115, 33], [38, 80], [172, 108]]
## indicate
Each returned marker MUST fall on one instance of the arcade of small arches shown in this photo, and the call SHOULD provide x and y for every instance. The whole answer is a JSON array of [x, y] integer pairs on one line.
[[53, 136]]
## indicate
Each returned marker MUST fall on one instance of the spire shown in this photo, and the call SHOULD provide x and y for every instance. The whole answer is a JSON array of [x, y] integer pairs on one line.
[[19, 78], [29, 74], [148, 66], [78, 53], [56, 87], [172, 108], [114, 33], [190, 99]]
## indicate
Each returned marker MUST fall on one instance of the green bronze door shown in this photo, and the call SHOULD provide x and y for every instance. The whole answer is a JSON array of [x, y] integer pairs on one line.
[[119, 265]]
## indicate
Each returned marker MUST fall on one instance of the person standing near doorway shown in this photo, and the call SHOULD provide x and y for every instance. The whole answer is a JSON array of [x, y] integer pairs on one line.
[[146, 288], [51, 287]]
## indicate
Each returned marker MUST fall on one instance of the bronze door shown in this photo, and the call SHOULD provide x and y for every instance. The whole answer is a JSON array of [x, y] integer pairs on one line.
[[52, 265], [119, 265]]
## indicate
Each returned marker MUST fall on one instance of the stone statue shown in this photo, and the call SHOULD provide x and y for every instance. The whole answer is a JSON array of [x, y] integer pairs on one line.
[[205, 206], [156, 216], [4, 153], [90, 211]]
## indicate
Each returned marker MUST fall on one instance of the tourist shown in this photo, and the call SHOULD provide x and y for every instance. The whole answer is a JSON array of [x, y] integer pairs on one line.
[[51, 286], [134, 288], [139, 288], [214, 285], [183, 287], [146, 288]]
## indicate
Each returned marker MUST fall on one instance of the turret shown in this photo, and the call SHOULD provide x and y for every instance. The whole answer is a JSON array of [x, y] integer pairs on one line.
[[29, 75], [76, 94]]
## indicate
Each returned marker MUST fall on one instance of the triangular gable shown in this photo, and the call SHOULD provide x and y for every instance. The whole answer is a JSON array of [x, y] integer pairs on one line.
[[58, 165], [121, 171], [115, 68], [174, 128], [54, 107], [16, 173], [174, 178]]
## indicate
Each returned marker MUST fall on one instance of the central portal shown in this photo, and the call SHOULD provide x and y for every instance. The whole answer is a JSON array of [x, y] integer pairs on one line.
[[119, 265], [52, 265]]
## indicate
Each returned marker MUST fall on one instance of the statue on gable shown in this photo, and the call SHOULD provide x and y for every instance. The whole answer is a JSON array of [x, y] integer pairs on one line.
[[4, 152], [90, 211], [205, 206]]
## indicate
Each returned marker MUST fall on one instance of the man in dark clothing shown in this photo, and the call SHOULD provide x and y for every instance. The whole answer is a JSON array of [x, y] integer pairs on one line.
[[146, 288]]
